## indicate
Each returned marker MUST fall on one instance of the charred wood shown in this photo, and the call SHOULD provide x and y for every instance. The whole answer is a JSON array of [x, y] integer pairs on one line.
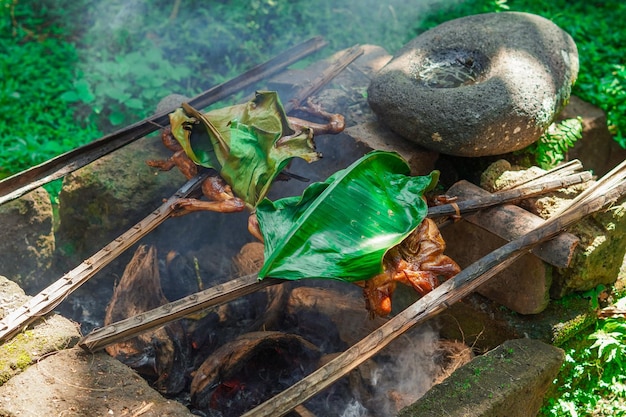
[[250, 369], [160, 355]]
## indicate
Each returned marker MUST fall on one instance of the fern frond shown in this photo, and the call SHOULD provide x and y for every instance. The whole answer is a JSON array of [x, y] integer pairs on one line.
[[552, 146]]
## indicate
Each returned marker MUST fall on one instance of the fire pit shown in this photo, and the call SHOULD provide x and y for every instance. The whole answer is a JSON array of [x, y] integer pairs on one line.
[[243, 341], [232, 358]]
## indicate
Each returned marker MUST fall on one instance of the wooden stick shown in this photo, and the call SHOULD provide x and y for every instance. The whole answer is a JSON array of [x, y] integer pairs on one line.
[[19, 184], [338, 65], [508, 196], [130, 327], [439, 299], [54, 294]]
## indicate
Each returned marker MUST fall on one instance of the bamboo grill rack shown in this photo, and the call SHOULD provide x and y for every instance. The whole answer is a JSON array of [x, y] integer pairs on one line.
[[123, 330], [607, 190]]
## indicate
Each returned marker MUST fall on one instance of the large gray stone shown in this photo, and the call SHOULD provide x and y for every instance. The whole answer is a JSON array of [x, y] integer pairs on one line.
[[510, 380], [481, 85]]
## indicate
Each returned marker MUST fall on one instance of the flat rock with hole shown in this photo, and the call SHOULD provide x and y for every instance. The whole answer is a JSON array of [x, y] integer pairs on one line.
[[481, 85]]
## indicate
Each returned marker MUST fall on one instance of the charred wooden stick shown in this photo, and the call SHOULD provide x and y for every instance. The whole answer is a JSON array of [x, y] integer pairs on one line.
[[130, 327], [54, 294], [19, 184], [601, 194]]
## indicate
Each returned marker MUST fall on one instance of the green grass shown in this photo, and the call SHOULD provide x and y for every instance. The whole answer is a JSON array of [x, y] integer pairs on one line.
[[71, 70], [592, 380], [36, 68]]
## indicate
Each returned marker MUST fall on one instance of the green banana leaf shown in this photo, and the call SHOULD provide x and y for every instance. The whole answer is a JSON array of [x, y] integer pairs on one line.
[[342, 228], [248, 144]]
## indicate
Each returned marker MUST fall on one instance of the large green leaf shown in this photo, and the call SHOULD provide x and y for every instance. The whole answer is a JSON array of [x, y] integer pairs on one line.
[[342, 228], [249, 144]]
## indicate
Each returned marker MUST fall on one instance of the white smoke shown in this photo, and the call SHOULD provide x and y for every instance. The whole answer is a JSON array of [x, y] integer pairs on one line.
[[355, 409], [407, 372]]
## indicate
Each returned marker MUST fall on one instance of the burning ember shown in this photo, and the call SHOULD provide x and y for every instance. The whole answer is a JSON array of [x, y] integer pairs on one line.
[[251, 369]]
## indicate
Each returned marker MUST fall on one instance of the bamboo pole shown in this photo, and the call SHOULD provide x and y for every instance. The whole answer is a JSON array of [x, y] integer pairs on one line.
[[608, 190], [19, 184], [130, 327], [529, 190]]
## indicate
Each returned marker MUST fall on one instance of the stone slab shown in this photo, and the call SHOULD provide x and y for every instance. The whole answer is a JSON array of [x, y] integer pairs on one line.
[[376, 136], [76, 383], [510, 381], [523, 287]]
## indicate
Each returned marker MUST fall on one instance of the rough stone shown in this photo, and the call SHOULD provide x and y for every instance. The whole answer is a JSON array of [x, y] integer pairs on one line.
[[481, 85], [523, 287], [103, 199], [599, 255], [598, 258], [510, 380], [52, 334], [376, 136], [469, 321], [484, 324], [77, 383], [28, 242], [170, 103]]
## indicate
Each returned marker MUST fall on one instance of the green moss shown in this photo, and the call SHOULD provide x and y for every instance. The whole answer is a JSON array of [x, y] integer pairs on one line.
[[20, 352], [23, 360], [574, 315], [15, 354]]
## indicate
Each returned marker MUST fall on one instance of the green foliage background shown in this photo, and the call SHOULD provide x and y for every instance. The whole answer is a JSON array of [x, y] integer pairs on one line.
[[73, 70]]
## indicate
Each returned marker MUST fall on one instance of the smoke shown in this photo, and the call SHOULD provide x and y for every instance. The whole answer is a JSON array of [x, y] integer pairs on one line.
[[403, 374], [355, 409]]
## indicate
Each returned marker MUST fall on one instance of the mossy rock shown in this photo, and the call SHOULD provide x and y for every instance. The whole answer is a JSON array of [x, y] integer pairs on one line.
[[48, 335], [28, 241], [599, 255], [103, 199], [510, 380]]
